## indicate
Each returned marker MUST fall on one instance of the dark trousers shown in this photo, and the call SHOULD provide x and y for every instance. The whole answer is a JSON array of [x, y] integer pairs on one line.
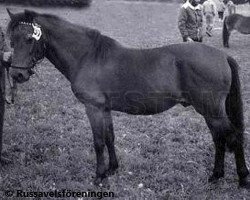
[[220, 14]]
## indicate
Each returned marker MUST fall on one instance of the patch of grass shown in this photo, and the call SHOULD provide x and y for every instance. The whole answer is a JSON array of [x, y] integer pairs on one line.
[[165, 156]]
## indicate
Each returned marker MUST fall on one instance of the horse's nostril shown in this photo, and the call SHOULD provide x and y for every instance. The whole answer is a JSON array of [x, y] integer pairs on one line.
[[31, 72]]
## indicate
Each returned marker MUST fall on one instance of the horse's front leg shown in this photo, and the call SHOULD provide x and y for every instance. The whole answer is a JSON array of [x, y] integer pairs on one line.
[[102, 128], [109, 140]]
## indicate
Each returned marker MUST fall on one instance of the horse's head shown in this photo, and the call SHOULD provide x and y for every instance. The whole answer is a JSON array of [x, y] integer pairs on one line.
[[26, 38]]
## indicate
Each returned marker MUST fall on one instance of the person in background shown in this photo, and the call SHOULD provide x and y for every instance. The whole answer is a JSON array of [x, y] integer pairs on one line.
[[5, 54], [190, 21], [221, 9], [209, 10], [231, 7], [5, 58]]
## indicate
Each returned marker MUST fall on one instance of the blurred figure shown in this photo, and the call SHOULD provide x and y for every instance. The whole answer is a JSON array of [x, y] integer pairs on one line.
[[190, 21], [209, 10], [5, 54], [231, 7], [5, 62], [5, 58], [221, 9]]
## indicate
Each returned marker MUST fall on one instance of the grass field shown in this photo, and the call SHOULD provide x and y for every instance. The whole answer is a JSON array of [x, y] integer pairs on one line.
[[165, 156]]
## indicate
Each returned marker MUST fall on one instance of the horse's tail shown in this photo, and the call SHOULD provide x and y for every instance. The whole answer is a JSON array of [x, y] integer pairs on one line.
[[234, 105], [225, 33]]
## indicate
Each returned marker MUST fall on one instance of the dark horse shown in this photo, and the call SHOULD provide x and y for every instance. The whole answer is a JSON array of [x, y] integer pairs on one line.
[[106, 76], [236, 22]]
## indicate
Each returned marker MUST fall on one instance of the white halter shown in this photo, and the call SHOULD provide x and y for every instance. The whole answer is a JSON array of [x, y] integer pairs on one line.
[[37, 31], [37, 34]]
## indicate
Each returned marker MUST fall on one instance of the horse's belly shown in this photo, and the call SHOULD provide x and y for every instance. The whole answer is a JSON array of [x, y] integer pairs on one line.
[[143, 106]]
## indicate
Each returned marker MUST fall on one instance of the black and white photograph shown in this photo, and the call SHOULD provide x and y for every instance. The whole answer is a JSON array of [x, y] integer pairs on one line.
[[124, 99]]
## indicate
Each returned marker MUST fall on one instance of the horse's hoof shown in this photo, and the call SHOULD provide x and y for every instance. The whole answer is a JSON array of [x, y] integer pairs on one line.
[[244, 183], [110, 171], [215, 177], [5, 161], [98, 181], [99, 178]]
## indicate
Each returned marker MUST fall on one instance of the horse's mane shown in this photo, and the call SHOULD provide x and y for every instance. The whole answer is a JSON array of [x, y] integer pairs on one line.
[[101, 45], [26, 16]]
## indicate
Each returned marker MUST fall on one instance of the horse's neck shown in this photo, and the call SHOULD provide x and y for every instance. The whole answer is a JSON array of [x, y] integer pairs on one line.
[[60, 60], [65, 53], [54, 58]]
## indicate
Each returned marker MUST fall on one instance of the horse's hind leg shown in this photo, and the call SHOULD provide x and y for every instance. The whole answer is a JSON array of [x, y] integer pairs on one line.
[[218, 128], [102, 128], [234, 141], [223, 134], [235, 145], [242, 170]]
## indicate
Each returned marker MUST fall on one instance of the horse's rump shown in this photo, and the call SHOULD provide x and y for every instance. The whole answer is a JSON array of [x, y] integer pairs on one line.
[[205, 76]]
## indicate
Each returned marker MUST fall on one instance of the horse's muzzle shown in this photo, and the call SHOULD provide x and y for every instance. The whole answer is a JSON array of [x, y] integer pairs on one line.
[[20, 75]]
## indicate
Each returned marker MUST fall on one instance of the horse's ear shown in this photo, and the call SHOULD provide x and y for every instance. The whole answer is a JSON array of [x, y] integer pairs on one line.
[[10, 13], [30, 15]]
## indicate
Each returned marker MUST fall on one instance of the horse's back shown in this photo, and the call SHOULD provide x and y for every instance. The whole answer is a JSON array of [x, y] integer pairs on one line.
[[233, 18], [238, 22]]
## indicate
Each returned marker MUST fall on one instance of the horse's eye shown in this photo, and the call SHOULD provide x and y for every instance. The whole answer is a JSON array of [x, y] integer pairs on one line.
[[29, 40], [29, 37]]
